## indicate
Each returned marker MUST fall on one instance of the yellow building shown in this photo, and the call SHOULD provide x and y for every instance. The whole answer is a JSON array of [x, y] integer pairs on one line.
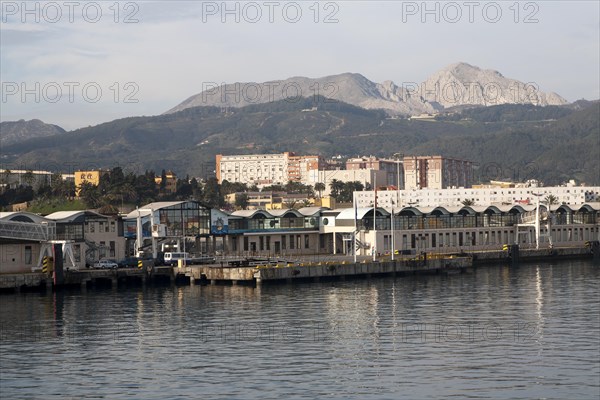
[[92, 177]]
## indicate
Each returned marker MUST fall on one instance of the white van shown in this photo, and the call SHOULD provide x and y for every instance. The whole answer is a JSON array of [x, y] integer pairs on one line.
[[173, 258]]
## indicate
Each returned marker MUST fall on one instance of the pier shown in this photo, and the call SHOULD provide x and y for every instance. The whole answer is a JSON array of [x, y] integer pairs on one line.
[[83, 279], [297, 271], [323, 270]]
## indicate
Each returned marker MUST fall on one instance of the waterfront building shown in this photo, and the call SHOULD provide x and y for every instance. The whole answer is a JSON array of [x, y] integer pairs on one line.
[[456, 229], [287, 233], [168, 225], [86, 236]]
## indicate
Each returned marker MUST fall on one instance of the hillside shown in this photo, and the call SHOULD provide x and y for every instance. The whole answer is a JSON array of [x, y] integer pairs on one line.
[[17, 131], [519, 141]]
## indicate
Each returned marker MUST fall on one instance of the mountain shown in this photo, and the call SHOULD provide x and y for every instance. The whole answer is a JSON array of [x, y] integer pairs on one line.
[[464, 84], [456, 85], [17, 131], [519, 142]]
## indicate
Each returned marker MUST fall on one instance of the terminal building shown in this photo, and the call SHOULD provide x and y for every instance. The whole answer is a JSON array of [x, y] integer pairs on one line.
[[192, 227]]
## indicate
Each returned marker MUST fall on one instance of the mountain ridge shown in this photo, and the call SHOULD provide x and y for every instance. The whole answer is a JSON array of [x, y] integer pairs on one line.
[[16, 131], [455, 85]]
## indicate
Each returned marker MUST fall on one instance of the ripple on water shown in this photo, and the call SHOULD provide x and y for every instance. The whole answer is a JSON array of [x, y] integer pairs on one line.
[[527, 332]]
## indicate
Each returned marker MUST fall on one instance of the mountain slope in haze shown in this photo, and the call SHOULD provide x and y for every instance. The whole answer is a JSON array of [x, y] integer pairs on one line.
[[17, 131], [465, 84], [560, 142], [349, 88], [456, 85]]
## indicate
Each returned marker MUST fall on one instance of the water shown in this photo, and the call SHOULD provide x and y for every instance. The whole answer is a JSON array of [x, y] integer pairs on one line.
[[527, 332]]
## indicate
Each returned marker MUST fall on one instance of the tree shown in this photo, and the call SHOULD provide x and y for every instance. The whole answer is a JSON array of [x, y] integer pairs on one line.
[[290, 204], [212, 193], [90, 194], [320, 187], [6, 176], [163, 180], [28, 178], [550, 201], [346, 193], [467, 202], [241, 201], [336, 188], [306, 203], [185, 189]]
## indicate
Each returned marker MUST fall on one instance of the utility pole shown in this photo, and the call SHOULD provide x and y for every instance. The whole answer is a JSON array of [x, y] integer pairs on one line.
[[375, 222]]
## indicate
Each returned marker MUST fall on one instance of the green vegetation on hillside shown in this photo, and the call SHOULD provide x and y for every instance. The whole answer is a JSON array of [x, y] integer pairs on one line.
[[516, 142]]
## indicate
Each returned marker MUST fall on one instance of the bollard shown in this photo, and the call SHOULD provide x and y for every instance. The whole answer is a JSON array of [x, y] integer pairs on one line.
[[514, 254]]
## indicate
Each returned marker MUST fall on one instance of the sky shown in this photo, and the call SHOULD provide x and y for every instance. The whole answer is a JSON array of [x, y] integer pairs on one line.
[[76, 64]]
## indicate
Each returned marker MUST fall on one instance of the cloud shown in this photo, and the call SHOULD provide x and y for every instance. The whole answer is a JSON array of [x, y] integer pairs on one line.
[[174, 47]]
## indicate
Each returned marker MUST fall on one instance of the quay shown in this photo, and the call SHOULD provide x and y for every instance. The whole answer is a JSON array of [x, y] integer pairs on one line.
[[324, 270], [84, 279], [297, 271], [422, 264]]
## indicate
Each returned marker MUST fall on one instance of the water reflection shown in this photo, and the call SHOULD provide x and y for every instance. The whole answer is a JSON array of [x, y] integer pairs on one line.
[[525, 332]]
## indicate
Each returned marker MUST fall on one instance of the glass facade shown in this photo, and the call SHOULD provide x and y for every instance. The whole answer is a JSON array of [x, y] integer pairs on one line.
[[188, 218]]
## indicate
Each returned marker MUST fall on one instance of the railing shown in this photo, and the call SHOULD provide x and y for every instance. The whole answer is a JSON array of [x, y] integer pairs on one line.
[[27, 231]]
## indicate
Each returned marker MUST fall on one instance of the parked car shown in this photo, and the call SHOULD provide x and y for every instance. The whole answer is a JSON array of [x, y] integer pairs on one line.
[[106, 264], [128, 262]]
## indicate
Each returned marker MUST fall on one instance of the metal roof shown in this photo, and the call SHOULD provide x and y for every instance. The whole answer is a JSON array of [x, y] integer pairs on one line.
[[361, 212], [69, 216]]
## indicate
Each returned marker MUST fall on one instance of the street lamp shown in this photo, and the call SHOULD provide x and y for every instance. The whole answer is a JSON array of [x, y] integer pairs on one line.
[[537, 220], [393, 228]]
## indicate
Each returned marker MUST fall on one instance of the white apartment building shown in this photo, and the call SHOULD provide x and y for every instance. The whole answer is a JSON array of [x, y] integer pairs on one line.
[[253, 169], [34, 178], [368, 177], [481, 196], [436, 172]]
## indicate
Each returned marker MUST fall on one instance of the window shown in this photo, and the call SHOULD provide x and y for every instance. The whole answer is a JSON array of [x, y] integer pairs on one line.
[[102, 249], [292, 242], [268, 244], [245, 243], [112, 248], [261, 241], [28, 255], [112, 226], [306, 241], [283, 242], [77, 252]]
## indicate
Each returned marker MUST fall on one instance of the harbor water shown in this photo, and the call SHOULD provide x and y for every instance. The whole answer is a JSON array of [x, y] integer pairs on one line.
[[531, 331]]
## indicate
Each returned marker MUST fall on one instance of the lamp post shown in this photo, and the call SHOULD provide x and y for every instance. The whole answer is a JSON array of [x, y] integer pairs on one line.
[[393, 228], [375, 222], [537, 220]]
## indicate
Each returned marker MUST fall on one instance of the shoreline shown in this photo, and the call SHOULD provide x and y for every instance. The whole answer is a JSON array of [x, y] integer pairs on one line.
[[426, 263]]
